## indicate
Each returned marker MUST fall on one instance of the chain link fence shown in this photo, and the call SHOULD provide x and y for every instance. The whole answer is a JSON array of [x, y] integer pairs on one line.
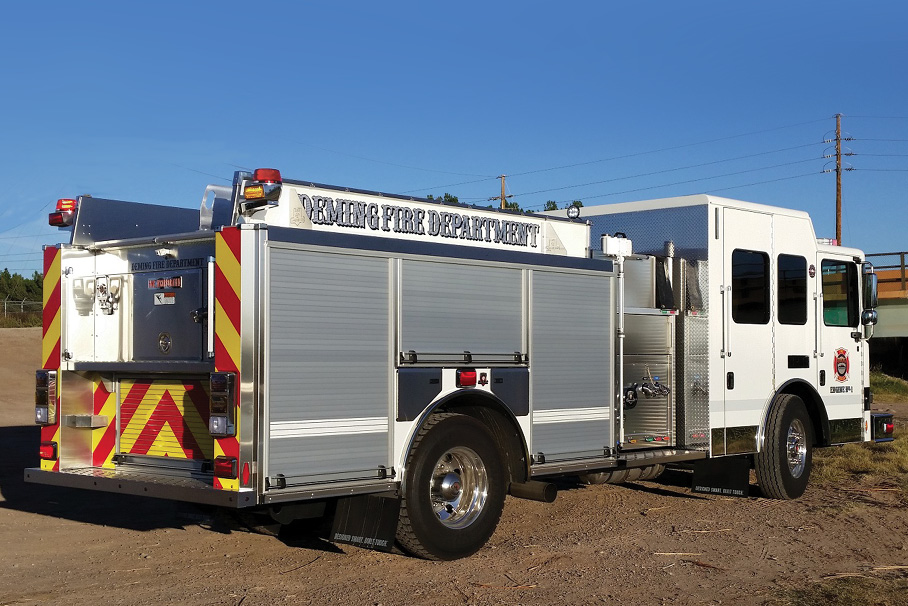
[[21, 314]]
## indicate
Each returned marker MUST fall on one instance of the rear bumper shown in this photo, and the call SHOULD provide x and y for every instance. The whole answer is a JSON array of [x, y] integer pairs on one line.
[[178, 489]]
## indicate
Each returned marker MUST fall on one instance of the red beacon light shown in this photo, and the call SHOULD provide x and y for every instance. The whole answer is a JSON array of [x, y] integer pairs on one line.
[[65, 213], [267, 175]]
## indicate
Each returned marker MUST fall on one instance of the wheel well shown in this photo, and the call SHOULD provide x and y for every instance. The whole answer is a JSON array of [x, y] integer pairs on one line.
[[503, 425], [815, 408]]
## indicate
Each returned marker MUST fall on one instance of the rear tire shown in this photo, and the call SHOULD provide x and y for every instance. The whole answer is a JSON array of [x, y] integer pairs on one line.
[[454, 489], [784, 463]]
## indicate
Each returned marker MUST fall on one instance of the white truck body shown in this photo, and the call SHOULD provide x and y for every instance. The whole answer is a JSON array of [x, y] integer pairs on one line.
[[303, 346]]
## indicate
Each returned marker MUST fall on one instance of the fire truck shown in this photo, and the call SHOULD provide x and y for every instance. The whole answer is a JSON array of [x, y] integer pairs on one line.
[[295, 350]]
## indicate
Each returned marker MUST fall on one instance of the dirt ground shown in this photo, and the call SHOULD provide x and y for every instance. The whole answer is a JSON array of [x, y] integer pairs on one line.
[[646, 543]]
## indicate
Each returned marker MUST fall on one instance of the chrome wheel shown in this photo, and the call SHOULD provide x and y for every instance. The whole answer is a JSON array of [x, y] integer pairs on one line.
[[796, 447], [459, 487]]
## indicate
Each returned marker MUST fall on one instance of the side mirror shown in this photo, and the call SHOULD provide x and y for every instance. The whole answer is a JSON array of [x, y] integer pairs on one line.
[[869, 317], [870, 292]]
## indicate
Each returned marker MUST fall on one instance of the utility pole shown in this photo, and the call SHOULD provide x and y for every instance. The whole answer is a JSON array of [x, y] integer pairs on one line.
[[502, 197], [838, 179]]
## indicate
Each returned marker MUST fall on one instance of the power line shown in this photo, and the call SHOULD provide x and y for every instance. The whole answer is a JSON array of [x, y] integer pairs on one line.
[[633, 155], [654, 151], [630, 191], [740, 172], [668, 170]]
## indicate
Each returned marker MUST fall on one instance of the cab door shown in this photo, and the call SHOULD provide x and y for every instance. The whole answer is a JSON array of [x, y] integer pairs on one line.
[[840, 346], [747, 347]]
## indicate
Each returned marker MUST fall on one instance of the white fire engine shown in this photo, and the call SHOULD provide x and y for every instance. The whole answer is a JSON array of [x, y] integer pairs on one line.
[[297, 350]]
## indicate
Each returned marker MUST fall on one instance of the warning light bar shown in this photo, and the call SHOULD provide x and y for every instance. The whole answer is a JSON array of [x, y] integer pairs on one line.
[[65, 213]]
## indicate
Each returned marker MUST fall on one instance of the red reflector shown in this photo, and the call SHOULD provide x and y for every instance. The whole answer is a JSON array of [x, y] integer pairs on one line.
[[246, 474], [66, 204], [48, 451], [225, 467], [888, 427], [466, 378], [267, 175]]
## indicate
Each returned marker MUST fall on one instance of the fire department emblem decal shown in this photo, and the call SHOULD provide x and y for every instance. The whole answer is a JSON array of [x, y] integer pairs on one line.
[[842, 366]]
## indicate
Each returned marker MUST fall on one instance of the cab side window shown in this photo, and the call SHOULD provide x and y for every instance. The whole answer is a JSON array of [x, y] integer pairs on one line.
[[840, 293], [792, 289], [749, 287]]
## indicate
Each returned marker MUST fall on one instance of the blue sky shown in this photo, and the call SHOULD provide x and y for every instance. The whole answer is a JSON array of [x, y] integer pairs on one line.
[[152, 101]]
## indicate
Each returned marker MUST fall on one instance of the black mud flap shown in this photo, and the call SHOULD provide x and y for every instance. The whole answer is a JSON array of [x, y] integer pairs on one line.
[[367, 521], [724, 476]]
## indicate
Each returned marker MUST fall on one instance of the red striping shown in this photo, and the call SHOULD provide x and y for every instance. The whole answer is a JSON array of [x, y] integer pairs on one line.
[[48, 432], [53, 360], [230, 446], [51, 310], [105, 446], [101, 395], [227, 297], [217, 484], [132, 401], [49, 255], [199, 399], [231, 237], [167, 412], [222, 360]]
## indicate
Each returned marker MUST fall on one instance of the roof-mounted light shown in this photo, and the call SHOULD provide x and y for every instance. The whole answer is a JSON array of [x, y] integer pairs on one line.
[[267, 175], [65, 213], [263, 190]]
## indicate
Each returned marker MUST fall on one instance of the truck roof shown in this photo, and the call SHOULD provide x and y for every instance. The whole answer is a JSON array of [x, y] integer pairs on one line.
[[681, 201]]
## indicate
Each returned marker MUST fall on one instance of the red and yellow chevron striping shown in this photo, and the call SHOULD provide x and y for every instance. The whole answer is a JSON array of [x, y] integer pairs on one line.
[[159, 417], [227, 330], [103, 439], [50, 342]]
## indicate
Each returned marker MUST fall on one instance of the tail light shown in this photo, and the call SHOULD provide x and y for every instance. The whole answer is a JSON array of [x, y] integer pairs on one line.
[[264, 189], [48, 451], [466, 377], [222, 404], [881, 427], [65, 213], [225, 467], [45, 397]]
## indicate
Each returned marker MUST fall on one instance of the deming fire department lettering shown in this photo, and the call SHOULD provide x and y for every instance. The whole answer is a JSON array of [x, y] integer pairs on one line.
[[322, 210]]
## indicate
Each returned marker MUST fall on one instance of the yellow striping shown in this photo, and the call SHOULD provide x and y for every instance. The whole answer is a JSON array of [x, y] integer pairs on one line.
[[228, 335], [51, 278], [51, 337], [227, 263], [109, 410], [159, 439]]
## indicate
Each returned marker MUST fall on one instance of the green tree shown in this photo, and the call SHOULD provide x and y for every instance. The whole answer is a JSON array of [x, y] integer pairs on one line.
[[550, 205], [446, 199], [576, 203]]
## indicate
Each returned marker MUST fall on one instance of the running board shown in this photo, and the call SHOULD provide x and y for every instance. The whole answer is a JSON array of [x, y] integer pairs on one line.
[[642, 458]]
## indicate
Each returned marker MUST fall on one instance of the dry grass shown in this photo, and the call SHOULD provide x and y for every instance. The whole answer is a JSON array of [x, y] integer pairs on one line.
[[20, 320], [866, 590], [888, 389]]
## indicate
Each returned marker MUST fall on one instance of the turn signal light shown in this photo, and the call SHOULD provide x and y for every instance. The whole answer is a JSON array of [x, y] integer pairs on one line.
[[48, 451], [225, 467], [466, 377]]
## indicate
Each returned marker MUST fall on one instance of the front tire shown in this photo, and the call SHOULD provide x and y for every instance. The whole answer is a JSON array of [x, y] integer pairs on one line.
[[784, 463], [454, 489]]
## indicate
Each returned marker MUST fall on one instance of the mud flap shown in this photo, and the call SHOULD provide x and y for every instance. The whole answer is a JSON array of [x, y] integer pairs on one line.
[[724, 476], [367, 521]]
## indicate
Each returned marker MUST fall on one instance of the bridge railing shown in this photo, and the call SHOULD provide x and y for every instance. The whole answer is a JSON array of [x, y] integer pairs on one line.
[[891, 271]]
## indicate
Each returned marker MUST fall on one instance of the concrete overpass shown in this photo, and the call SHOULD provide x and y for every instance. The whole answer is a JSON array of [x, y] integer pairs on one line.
[[889, 345]]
